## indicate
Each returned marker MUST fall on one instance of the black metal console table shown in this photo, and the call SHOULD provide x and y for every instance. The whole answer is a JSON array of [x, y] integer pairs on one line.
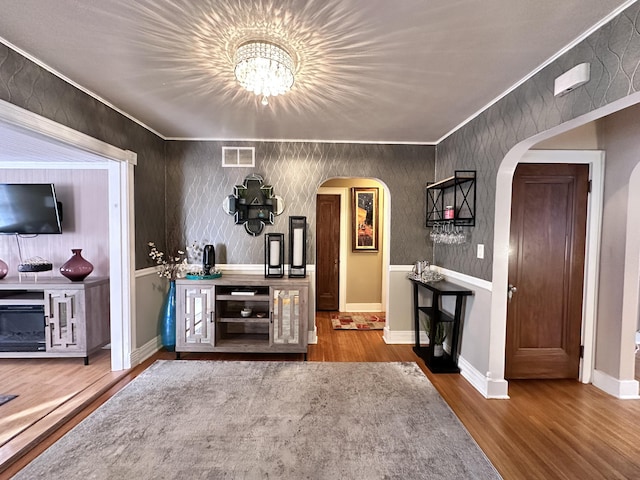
[[447, 363]]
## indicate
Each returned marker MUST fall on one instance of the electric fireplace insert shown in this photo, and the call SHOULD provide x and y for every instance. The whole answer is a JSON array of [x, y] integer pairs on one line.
[[22, 328]]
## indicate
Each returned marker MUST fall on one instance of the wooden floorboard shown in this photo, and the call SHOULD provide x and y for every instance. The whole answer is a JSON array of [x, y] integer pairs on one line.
[[51, 392], [42, 385], [551, 429]]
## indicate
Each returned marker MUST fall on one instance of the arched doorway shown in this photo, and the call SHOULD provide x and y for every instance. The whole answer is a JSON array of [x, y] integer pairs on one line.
[[622, 386], [355, 267]]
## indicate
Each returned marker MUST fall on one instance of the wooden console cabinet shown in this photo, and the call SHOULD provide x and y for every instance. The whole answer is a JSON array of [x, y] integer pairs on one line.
[[209, 319], [76, 314]]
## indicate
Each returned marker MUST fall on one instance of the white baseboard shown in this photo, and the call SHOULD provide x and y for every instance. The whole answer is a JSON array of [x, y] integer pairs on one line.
[[495, 389], [498, 389], [398, 337], [622, 389], [489, 388], [363, 307], [255, 269], [244, 268], [146, 271], [312, 337], [139, 355], [453, 275]]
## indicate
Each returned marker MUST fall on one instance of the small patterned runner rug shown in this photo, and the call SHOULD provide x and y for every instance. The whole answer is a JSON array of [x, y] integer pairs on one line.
[[357, 321], [5, 398]]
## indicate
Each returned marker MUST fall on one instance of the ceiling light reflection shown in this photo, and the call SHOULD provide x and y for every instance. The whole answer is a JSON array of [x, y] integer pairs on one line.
[[201, 53]]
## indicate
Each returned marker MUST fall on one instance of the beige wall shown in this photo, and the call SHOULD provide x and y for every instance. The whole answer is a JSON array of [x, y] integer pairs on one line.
[[621, 137], [364, 269], [586, 137], [151, 291]]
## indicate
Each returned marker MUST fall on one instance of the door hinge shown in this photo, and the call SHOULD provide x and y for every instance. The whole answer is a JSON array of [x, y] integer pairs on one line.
[[589, 186], [581, 351]]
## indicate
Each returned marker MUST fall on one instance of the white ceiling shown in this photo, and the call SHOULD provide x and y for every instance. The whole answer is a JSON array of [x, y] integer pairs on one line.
[[402, 71]]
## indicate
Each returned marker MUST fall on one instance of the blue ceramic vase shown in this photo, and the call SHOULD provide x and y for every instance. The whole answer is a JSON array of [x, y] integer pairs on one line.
[[168, 320]]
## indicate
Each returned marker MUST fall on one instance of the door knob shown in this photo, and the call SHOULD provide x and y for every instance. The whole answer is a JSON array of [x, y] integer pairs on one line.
[[510, 291]]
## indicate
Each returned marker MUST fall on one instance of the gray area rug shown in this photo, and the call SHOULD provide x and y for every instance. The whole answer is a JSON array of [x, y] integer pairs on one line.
[[269, 420]]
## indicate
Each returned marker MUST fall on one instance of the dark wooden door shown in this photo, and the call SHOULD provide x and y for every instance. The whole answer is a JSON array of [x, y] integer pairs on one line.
[[327, 252], [546, 267]]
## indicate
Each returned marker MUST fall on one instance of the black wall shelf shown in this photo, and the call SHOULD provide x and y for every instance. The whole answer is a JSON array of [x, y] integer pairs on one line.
[[459, 191]]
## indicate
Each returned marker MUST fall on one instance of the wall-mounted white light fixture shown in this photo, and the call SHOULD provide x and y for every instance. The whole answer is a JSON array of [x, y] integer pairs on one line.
[[572, 79]]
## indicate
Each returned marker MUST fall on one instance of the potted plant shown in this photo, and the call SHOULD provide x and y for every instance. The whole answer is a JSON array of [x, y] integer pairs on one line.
[[439, 337]]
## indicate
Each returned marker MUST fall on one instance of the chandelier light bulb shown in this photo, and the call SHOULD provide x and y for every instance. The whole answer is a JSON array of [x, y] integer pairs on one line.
[[264, 69]]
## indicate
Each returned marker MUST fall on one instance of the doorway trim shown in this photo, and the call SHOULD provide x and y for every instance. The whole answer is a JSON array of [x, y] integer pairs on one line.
[[385, 228], [497, 386], [344, 225], [631, 286], [595, 202], [119, 164]]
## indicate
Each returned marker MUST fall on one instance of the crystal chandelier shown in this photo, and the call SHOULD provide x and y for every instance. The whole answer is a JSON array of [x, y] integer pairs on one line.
[[264, 68]]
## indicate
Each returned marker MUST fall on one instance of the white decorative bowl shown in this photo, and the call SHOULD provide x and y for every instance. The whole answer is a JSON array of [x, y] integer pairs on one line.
[[245, 312]]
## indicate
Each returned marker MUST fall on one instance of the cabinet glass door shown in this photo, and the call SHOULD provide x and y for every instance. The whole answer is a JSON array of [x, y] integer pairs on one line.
[[62, 313], [286, 314], [198, 315]]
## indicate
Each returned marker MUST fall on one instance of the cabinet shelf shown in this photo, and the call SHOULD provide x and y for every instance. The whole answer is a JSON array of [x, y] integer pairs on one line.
[[240, 339], [239, 319], [243, 298], [459, 191], [443, 364], [431, 313], [462, 176]]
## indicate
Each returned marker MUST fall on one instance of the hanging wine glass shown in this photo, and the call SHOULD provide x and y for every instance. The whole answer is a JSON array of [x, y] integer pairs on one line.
[[434, 232]]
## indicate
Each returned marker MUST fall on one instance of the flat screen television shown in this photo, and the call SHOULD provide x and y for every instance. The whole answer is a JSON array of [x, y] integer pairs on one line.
[[29, 209]]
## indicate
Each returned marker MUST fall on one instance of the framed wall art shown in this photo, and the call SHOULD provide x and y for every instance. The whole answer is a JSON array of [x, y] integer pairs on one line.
[[364, 231]]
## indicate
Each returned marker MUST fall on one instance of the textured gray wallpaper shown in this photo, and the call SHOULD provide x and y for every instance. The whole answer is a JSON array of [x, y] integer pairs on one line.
[[197, 185], [614, 55], [29, 86]]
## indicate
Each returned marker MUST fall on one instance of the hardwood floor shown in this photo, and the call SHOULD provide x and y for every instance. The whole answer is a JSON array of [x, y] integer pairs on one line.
[[50, 393], [552, 429]]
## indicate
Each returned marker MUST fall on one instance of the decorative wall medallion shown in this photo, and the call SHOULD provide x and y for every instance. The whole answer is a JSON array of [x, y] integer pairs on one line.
[[253, 204]]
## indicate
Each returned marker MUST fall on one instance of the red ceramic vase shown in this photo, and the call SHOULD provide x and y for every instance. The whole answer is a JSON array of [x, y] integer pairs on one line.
[[76, 268]]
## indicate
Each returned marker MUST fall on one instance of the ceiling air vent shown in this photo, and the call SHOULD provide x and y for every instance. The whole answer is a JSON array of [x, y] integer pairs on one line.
[[238, 156]]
